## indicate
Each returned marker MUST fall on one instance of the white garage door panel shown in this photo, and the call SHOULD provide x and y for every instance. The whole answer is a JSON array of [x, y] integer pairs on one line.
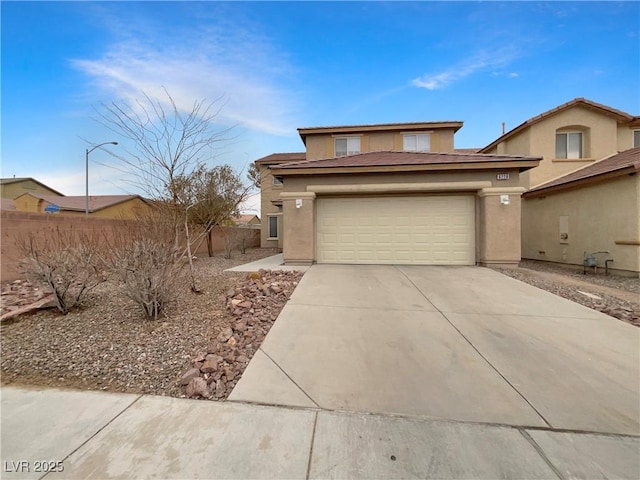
[[404, 230]]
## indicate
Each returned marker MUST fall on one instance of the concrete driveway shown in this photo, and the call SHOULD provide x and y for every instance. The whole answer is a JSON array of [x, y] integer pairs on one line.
[[455, 343]]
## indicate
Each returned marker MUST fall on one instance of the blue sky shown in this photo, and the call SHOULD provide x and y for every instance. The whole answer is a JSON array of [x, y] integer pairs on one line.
[[284, 65]]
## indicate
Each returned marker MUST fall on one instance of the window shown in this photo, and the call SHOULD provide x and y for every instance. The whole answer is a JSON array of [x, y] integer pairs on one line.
[[636, 138], [569, 145], [277, 180], [347, 146], [416, 143], [273, 227]]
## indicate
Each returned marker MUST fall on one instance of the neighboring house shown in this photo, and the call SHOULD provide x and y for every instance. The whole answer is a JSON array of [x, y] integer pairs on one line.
[[568, 137], [392, 193], [583, 197], [247, 221], [14, 187], [270, 201], [103, 206], [7, 204], [593, 209]]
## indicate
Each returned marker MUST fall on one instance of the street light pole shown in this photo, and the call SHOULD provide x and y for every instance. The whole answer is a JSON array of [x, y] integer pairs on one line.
[[86, 160]]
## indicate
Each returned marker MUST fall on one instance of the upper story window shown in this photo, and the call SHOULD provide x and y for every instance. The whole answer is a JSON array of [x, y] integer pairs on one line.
[[636, 138], [416, 142], [347, 146], [278, 180], [569, 145]]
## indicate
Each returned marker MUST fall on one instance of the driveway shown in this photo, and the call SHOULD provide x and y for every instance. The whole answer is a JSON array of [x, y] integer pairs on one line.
[[455, 343]]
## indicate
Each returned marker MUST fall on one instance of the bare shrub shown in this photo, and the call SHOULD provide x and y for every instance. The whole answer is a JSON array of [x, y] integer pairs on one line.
[[148, 263], [66, 261]]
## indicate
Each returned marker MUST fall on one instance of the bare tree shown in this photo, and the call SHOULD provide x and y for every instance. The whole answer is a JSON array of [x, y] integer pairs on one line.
[[253, 174], [167, 159], [165, 143]]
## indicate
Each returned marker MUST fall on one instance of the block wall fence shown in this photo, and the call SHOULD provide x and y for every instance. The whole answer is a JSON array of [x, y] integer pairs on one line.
[[19, 225]]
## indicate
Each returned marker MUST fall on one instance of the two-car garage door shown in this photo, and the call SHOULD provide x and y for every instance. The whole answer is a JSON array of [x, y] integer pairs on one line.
[[420, 230]]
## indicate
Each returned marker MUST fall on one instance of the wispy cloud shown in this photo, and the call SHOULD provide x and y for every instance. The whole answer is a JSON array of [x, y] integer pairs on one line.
[[480, 62], [237, 66]]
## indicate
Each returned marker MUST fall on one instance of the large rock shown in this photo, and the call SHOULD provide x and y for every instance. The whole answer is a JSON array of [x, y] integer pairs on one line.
[[211, 363], [198, 387], [225, 334], [189, 375]]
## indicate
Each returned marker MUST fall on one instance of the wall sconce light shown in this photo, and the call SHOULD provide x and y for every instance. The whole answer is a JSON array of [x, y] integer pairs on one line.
[[298, 202], [504, 199]]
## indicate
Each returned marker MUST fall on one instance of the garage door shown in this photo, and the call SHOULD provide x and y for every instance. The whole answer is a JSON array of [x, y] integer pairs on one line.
[[436, 230]]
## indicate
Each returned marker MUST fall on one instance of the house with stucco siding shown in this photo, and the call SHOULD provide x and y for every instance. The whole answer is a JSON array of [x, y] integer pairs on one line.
[[392, 194], [101, 206], [584, 196]]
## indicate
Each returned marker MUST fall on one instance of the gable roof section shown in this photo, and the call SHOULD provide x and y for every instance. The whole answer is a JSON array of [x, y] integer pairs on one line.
[[619, 115], [7, 181], [377, 127], [276, 158], [410, 161], [77, 203], [617, 165]]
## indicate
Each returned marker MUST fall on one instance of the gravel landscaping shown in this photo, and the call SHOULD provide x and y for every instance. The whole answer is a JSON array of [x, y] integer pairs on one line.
[[614, 295], [202, 344], [108, 345]]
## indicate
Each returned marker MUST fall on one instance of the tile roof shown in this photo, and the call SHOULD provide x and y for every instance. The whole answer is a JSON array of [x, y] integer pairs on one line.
[[389, 159], [245, 218], [282, 157], [618, 114], [78, 203], [621, 163], [466, 150], [376, 127], [384, 126]]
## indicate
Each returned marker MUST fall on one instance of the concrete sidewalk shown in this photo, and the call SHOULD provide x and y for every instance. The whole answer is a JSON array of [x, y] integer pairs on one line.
[[107, 435], [274, 262]]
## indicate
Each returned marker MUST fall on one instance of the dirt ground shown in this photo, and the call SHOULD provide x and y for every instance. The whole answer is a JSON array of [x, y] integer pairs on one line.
[[109, 345], [615, 295]]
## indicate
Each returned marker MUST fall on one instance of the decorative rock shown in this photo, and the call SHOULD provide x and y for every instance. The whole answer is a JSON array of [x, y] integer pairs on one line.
[[232, 341], [246, 304], [225, 334], [197, 387], [242, 359], [189, 375], [210, 364]]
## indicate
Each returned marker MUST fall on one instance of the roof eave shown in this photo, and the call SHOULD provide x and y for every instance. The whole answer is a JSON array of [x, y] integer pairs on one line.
[[582, 182], [521, 165]]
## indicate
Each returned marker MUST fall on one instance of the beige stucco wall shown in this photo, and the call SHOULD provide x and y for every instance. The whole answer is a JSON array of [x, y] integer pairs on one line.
[[497, 225], [499, 229], [602, 136], [269, 192], [598, 216], [15, 189], [123, 211], [323, 145], [295, 183]]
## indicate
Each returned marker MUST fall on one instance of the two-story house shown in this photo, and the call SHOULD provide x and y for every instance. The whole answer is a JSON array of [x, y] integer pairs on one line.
[[584, 197], [392, 193]]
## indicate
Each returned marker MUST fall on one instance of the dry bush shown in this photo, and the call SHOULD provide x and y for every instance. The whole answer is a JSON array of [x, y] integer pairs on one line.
[[66, 261], [147, 261]]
